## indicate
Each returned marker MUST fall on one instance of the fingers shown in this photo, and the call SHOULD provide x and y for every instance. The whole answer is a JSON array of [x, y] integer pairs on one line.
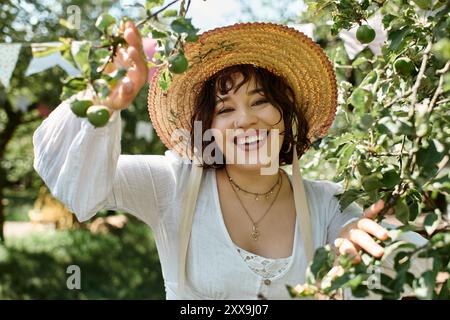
[[139, 72], [132, 36], [122, 59], [122, 94], [374, 209], [373, 228], [366, 242], [346, 247]]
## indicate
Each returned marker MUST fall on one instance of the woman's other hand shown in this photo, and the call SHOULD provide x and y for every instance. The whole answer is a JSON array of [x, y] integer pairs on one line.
[[359, 235]]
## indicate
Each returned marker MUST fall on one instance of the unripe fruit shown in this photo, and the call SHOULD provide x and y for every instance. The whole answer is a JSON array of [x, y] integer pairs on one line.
[[178, 63], [365, 34], [79, 107], [98, 116], [404, 66]]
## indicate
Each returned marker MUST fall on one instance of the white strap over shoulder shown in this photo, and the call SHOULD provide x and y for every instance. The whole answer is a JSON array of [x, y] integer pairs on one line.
[[184, 231], [301, 203], [302, 208]]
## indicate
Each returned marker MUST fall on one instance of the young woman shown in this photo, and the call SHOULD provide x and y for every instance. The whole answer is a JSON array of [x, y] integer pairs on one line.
[[228, 223]]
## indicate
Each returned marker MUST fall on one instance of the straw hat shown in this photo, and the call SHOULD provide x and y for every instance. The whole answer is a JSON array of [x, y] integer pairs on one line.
[[284, 51]]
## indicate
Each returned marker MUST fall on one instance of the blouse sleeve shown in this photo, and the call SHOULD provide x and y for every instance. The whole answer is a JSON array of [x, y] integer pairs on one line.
[[83, 168]]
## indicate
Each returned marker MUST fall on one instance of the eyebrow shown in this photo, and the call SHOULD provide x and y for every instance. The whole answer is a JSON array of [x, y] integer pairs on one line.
[[226, 97]]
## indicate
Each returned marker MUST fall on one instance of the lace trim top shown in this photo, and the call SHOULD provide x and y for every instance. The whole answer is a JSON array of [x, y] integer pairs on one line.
[[265, 267]]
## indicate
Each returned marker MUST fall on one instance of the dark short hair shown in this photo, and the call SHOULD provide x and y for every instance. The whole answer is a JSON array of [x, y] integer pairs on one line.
[[277, 92]]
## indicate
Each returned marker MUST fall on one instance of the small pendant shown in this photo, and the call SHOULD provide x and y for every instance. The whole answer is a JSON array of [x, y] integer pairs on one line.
[[256, 198], [255, 233]]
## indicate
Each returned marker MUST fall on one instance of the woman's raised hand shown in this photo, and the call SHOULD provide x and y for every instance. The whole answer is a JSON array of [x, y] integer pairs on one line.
[[359, 234], [133, 59]]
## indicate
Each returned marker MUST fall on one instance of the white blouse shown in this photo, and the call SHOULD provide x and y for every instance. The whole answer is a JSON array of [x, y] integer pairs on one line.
[[83, 167]]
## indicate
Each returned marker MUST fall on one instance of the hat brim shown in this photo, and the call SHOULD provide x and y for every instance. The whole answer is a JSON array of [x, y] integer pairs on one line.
[[284, 51]]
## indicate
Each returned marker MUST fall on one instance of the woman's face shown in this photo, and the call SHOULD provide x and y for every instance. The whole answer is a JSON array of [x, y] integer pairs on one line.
[[246, 126]]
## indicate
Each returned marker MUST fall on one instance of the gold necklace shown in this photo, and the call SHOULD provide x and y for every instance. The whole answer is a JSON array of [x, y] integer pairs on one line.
[[257, 195], [255, 232]]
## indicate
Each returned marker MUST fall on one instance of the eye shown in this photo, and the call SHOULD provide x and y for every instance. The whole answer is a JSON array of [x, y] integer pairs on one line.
[[259, 102], [224, 110]]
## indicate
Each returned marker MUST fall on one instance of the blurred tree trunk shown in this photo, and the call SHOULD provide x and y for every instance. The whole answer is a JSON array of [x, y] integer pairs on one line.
[[14, 120]]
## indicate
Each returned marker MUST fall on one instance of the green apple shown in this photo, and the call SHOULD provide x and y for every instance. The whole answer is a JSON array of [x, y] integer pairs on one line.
[[98, 116], [178, 63], [79, 107], [365, 34]]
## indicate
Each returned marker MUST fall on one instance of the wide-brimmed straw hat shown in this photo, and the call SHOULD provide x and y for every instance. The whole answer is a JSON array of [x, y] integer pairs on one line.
[[285, 52]]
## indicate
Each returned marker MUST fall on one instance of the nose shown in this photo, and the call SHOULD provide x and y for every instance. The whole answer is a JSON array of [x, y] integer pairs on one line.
[[245, 118]]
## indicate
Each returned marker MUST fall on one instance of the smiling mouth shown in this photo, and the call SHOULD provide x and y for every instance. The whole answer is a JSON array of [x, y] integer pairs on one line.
[[251, 142]]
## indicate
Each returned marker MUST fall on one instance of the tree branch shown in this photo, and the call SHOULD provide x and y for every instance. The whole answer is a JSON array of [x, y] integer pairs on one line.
[[415, 88], [439, 89], [140, 23]]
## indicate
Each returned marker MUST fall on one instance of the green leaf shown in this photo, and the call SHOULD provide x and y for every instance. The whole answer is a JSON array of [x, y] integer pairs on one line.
[[386, 281], [394, 128], [80, 53], [372, 182], [402, 211], [104, 21], [72, 86], [170, 13], [158, 34], [165, 80], [394, 247], [424, 285], [322, 263], [100, 54], [413, 208], [192, 37], [344, 156], [340, 281], [402, 262], [366, 122], [397, 38], [361, 99], [370, 78], [348, 197], [390, 178], [431, 222], [363, 169], [183, 25], [359, 61], [440, 240], [150, 4], [428, 156]]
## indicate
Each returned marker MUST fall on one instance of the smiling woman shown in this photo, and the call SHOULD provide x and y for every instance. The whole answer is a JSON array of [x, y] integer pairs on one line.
[[229, 229]]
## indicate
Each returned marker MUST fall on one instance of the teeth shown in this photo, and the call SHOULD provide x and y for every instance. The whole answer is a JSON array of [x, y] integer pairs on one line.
[[249, 140]]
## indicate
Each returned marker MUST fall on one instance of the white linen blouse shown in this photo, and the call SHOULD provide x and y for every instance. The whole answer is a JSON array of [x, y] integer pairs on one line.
[[83, 167]]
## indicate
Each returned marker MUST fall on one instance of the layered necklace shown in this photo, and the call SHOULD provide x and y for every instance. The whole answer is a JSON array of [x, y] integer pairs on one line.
[[255, 231]]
